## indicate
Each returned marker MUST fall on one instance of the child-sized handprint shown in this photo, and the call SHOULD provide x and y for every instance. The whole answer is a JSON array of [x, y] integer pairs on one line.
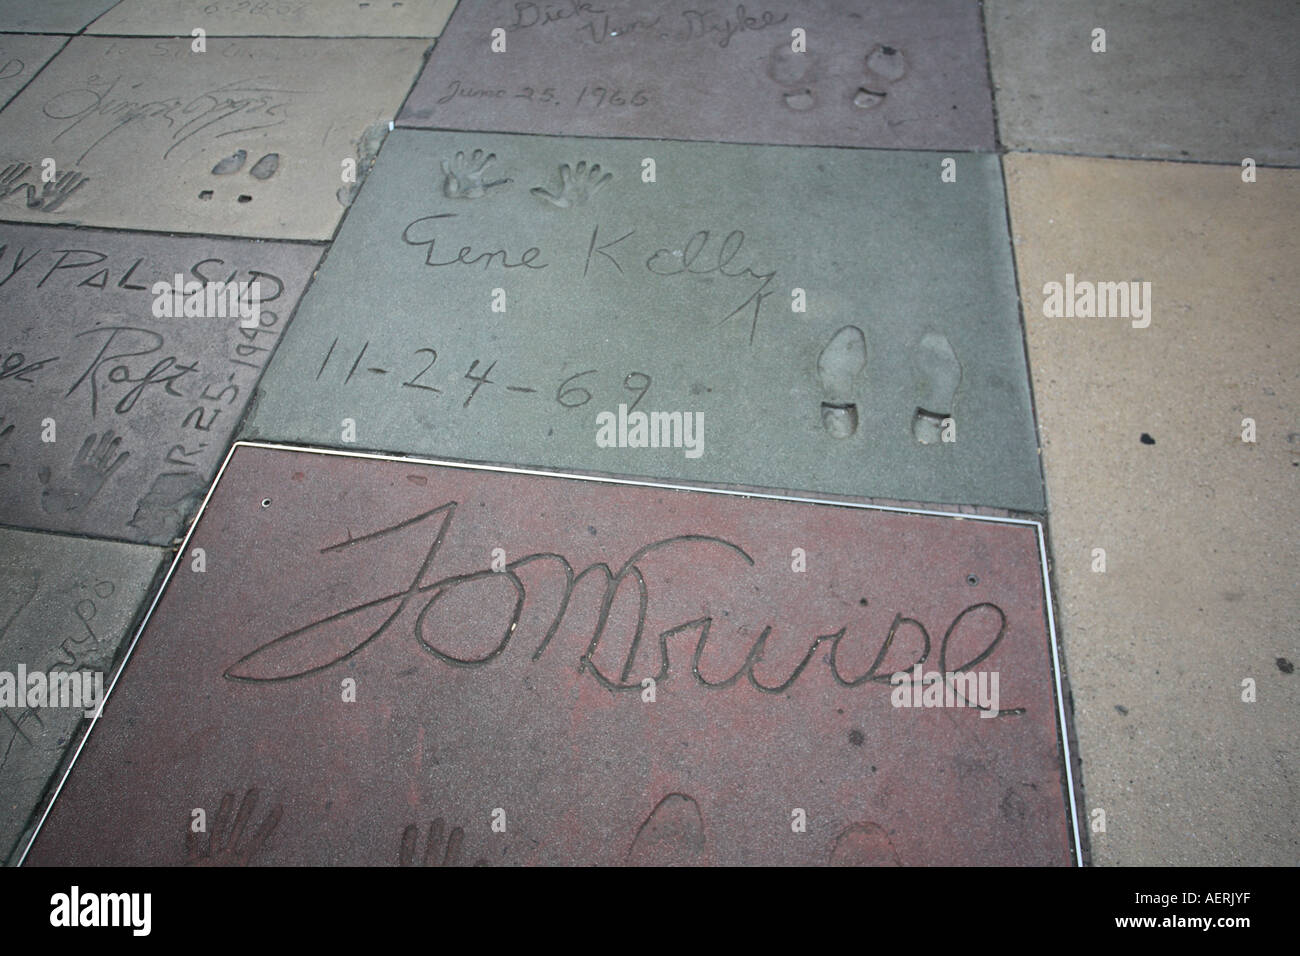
[[577, 185], [55, 192], [226, 845], [77, 484], [411, 837], [463, 178]]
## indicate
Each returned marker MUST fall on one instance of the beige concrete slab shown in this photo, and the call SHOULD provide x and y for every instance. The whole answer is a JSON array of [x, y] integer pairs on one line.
[[66, 605], [20, 58], [1196, 79], [1199, 588], [285, 18], [249, 138], [50, 16]]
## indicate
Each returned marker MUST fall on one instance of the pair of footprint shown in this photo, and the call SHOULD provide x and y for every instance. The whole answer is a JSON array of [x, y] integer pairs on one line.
[[839, 369], [262, 170], [799, 73], [673, 835]]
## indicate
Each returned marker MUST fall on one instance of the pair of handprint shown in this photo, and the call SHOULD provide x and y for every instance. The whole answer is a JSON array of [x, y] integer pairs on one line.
[[52, 194], [463, 179], [231, 843]]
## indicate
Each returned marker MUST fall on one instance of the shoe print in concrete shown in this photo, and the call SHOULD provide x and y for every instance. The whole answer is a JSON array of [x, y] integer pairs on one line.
[[136, 129], [525, 300], [822, 72]]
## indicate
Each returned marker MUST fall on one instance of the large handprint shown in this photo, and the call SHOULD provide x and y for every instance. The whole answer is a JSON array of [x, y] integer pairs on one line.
[[577, 185], [77, 484], [463, 179], [226, 845]]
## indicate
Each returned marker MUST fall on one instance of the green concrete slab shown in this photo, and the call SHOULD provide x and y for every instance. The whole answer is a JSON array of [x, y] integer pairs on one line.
[[1198, 592], [889, 74], [50, 16], [1187, 80], [113, 419], [66, 605], [673, 297], [297, 18], [251, 138], [20, 59]]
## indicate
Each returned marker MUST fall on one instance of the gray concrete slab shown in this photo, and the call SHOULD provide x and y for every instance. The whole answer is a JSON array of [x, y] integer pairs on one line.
[[678, 297], [314, 18], [888, 74], [66, 605], [251, 138], [20, 58], [1187, 80], [373, 675], [115, 420], [1173, 519], [50, 16]]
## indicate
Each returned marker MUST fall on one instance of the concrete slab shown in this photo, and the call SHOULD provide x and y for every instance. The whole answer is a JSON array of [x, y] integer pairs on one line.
[[1186, 80], [676, 296], [113, 421], [20, 59], [250, 138], [290, 18], [50, 16], [66, 604], [889, 74], [519, 696], [1198, 528]]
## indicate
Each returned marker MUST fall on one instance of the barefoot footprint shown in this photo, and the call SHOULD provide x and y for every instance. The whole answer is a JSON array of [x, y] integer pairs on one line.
[[938, 374], [885, 66], [838, 368]]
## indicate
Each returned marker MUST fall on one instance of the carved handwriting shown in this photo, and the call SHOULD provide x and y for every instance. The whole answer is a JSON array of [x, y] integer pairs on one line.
[[315, 647]]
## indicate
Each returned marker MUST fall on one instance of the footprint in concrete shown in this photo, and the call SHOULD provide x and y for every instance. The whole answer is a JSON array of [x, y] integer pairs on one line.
[[265, 167], [231, 164], [938, 374], [838, 369], [864, 844], [885, 66], [672, 835], [797, 73]]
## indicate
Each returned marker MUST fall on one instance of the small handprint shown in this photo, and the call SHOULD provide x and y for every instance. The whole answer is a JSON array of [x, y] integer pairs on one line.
[[55, 192], [93, 466], [577, 185], [411, 836], [463, 178], [11, 177], [5, 432], [226, 845]]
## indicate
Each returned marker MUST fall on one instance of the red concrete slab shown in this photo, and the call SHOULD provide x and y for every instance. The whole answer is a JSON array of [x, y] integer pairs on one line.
[[502, 715]]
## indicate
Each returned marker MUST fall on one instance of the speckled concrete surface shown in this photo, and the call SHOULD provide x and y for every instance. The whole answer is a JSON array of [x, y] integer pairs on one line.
[[1198, 529]]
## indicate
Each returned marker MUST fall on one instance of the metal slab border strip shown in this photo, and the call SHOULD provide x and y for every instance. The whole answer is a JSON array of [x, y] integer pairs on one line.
[[1061, 725]]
